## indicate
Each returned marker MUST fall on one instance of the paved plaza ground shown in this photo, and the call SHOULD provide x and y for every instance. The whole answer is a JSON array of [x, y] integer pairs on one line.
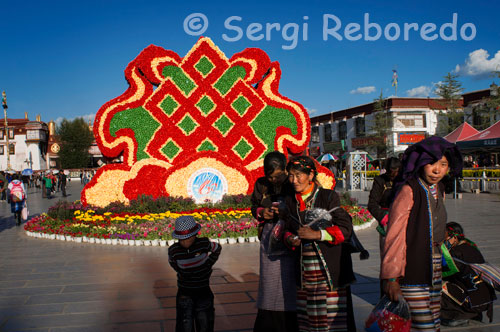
[[49, 285]]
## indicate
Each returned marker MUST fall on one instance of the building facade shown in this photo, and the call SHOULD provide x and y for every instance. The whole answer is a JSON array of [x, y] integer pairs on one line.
[[23, 144], [477, 112], [411, 120]]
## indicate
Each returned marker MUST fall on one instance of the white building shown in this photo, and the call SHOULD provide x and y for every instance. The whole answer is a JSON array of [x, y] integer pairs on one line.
[[351, 129], [27, 144]]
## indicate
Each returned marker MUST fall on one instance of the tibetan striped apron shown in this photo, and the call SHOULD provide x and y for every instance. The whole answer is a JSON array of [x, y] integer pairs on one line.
[[425, 302], [318, 308]]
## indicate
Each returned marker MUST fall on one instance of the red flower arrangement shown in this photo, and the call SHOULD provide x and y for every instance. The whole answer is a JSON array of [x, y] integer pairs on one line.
[[184, 122]]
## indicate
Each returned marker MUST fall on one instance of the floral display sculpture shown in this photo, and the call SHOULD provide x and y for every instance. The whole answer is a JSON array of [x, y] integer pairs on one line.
[[197, 126]]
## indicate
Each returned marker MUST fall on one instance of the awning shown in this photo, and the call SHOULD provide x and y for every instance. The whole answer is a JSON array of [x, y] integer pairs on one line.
[[486, 140], [462, 132]]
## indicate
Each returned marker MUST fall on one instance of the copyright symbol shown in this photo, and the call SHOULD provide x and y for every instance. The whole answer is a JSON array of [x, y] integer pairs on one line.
[[195, 24]]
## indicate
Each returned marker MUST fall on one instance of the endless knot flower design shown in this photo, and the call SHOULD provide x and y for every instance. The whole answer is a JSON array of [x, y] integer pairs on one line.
[[182, 115]]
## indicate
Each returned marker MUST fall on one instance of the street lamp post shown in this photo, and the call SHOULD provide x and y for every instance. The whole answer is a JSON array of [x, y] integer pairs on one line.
[[4, 105]]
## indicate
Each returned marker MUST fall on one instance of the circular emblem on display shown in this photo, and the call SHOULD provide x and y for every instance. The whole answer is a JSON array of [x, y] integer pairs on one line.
[[55, 148], [207, 184]]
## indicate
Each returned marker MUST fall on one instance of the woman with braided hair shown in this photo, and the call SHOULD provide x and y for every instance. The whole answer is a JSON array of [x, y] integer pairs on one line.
[[316, 228], [465, 295]]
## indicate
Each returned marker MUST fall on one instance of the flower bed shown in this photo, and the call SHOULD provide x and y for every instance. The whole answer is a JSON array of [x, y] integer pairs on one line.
[[75, 222]]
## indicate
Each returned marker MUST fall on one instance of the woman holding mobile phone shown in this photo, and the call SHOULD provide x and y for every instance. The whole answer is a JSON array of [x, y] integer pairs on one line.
[[276, 301]]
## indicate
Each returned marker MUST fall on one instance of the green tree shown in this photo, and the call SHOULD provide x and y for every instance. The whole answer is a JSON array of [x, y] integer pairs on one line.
[[493, 103], [381, 124], [450, 90], [483, 115], [76, 139]]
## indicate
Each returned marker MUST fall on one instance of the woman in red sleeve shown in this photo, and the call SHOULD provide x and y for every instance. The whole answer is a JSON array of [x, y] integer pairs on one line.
[[324, 300]]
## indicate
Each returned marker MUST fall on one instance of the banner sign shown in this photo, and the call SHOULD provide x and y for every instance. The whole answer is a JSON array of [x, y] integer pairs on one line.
[[410, 138]]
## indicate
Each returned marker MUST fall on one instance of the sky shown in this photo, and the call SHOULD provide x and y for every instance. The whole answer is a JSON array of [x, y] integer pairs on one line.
[[65, 59]]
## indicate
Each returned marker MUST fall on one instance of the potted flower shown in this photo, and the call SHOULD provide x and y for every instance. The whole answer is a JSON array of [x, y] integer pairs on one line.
[[164, 237]]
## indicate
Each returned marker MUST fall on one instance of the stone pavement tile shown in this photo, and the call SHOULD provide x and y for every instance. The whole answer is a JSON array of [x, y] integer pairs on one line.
[[134, 304], [63, 268], [230, 309], [253, 295], [218, 280], [128, 316], [246, 278], [235, 323], [218, 272], [235, 287], [15, 269], [65, 281], [6, 301], [167, 291], [47, 321], [33, 330], [165, 283], [364, 288], [85, 307], [13, 283], [136, 327], [136, 293], [169, 325], [168, 302], [29, 276], [102, 287], [224, 298], [84, 328], [30, 290], [40, 309], [70, 297], [361, 312]]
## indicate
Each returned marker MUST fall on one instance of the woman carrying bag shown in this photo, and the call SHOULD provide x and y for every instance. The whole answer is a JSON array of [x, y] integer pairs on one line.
[[17, 198], [324, 301]]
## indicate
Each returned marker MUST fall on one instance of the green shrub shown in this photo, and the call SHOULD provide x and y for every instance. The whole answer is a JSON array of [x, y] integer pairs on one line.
[[346, 199], [477, 173]]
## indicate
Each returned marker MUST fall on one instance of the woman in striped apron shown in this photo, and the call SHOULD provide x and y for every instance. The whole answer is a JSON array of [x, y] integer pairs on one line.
[[411, 259], [324, 300]]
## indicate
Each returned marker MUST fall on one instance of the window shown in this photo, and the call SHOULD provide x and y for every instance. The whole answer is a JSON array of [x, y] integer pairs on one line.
[[342, 130], [11, 133], [12, 149], [360, 126], [1, 150], [315, 134], [327, 128], [410, 120], [33, 134], [1, 133]]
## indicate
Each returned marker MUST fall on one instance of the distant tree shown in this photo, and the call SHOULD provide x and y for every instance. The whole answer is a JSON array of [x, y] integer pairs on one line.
[[450, 90], [381, 124], [484, 114], [76, 139], [493, 102]]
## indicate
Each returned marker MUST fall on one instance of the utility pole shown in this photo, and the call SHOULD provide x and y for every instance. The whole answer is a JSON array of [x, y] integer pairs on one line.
[[4, 105]]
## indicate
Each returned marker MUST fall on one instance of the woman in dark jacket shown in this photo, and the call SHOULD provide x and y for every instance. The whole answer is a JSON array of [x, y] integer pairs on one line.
[[324, 300], [465, 295], [411, 259], [276, 299], [379, 200]]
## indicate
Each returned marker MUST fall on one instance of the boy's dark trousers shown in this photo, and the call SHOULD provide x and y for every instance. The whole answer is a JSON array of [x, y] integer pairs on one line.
[[195, 308]]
